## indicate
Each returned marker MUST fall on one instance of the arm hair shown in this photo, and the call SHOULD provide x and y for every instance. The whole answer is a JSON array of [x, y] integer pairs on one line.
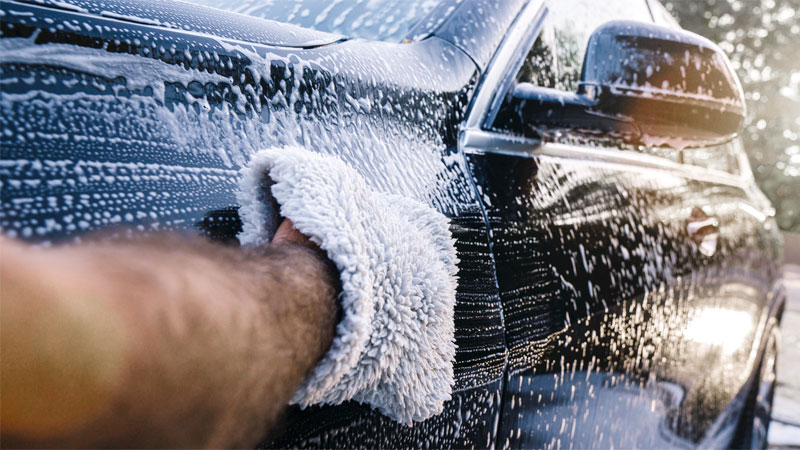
[[165, 341]]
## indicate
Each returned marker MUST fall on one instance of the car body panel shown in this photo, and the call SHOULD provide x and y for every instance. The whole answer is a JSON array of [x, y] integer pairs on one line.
[[479, 26], [611, 313]]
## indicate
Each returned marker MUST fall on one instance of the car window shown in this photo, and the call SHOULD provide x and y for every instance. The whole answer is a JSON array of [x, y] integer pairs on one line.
[[380, 20], [724, 158], [555, 59], [574, 21], [540, 66], [554, 62]]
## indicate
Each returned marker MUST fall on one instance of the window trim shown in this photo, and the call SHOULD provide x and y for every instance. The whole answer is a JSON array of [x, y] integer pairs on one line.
[[497, 73], [473, 139], [480, 141], [656, 7]]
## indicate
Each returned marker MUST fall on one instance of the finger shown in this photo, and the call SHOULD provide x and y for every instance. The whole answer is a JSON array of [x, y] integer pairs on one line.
[[287, 233]]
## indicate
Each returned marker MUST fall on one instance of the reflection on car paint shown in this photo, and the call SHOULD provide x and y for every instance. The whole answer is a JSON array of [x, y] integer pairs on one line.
[[598, 275]]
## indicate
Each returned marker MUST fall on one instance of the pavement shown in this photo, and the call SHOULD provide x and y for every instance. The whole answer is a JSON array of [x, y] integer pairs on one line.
[[784, 430]]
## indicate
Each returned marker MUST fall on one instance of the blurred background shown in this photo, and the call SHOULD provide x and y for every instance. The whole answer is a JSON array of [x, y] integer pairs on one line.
[[762, 39]]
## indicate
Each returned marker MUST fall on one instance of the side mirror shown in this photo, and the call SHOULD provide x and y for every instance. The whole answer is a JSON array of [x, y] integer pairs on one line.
[[645, 84]]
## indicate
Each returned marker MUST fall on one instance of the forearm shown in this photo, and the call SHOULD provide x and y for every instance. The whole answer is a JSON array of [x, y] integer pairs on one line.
[[198, 345]]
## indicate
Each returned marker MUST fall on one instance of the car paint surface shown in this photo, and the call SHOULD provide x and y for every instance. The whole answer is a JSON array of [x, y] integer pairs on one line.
[[620, 333], [582, 309]]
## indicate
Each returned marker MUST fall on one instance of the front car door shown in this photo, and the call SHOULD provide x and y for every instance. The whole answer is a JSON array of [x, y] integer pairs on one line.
[[134, 115], [634, 283]]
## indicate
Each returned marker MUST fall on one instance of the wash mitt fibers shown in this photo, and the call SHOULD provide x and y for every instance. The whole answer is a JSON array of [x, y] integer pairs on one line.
[[394, 347]]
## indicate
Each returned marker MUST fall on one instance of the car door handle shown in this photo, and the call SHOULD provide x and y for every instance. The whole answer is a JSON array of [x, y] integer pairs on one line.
[[704, 232], [704, 225]]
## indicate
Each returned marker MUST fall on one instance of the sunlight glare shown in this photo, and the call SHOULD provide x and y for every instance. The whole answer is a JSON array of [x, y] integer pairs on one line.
[[721, 327]]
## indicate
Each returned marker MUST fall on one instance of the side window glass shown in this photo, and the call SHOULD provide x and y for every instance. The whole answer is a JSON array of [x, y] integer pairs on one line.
[[546, 63], [538, 69], [574, 21], [570, 58], [723, 158], [540, 66]]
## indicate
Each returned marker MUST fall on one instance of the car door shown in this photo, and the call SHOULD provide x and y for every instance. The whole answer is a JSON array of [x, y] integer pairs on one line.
[[616, 264]]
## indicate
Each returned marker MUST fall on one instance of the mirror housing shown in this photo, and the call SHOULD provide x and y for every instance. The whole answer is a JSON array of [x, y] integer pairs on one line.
[[646, 84]]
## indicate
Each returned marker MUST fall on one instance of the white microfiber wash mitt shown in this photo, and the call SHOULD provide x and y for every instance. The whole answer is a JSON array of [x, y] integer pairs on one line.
[[394, 347]]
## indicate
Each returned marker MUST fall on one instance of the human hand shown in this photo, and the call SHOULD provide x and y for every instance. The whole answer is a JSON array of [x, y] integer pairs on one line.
[[169, 329], [287, 233]]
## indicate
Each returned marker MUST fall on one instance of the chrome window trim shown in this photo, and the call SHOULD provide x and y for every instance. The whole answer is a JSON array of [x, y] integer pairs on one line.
[[481, 142], [497, 73], [745, 171], [497, 142], [514, 64], [473, 139]]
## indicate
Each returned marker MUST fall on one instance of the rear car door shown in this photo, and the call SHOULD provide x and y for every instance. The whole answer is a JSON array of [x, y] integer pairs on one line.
[[634, 285]]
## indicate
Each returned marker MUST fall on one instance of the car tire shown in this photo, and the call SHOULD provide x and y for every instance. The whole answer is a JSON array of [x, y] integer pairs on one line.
[[754, 423]]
